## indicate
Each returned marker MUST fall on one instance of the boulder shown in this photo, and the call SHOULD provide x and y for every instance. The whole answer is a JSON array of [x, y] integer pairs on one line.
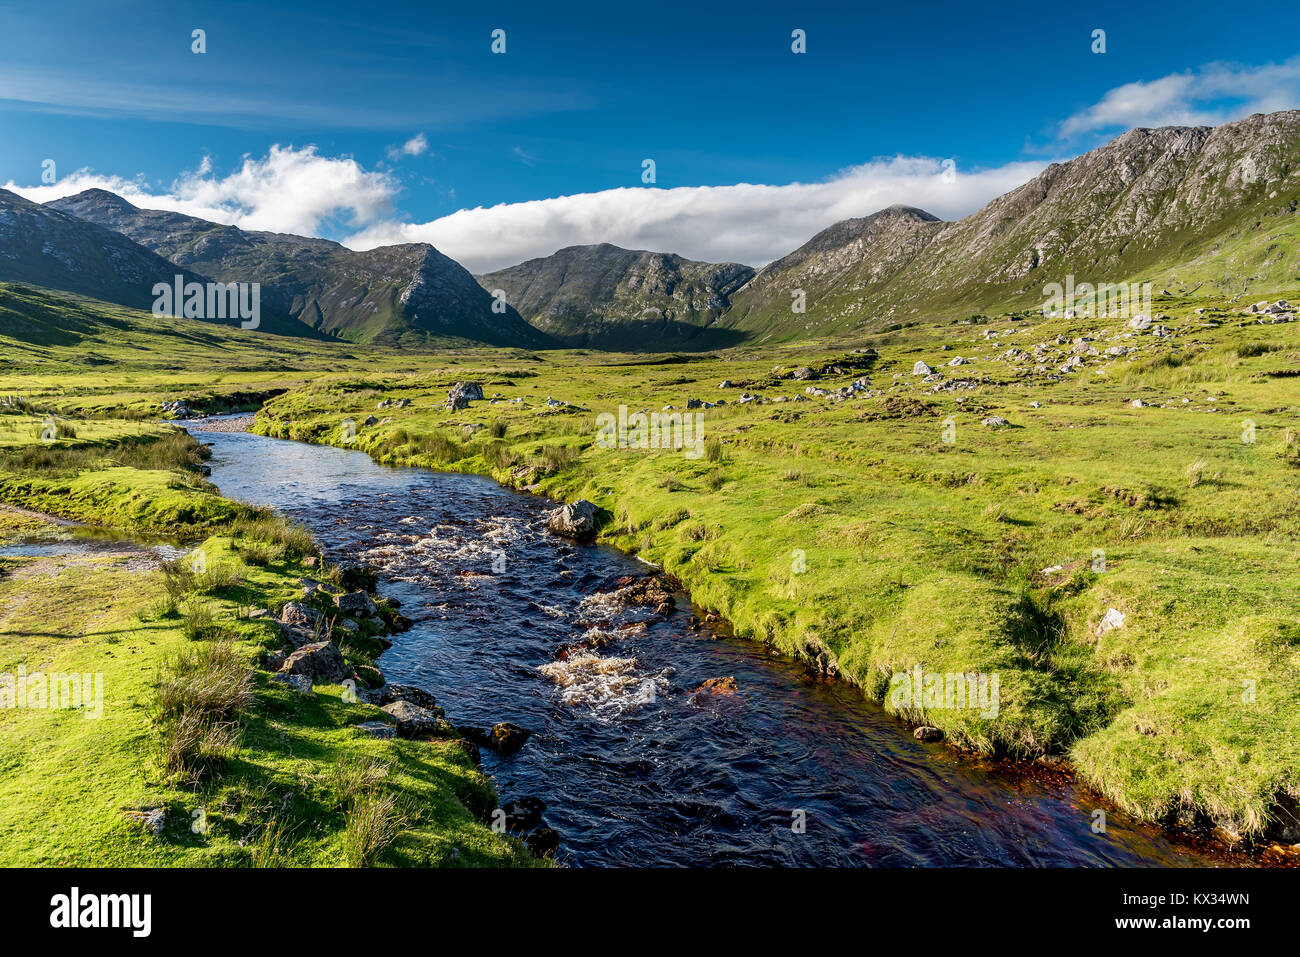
[[320, 660], [803, 373], [921, 368], [380, 729], [414, 721], [927, 733], [648, 591], [356, 604], [995, 422], [727, 685], [576, 520], [299, 683], [297, 615], [416, 696], [543, 842], [507, 738], [301, 624], [1140, 323], [462, 394], [523, 814]]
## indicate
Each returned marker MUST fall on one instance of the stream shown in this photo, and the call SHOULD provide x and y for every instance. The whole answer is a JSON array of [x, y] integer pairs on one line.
[[635, 766]]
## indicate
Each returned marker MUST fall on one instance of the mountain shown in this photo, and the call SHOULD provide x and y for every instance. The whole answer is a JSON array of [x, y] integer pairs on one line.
[[394, 295], [838, 271], [1210, 209], [608, 297], [46, 247]]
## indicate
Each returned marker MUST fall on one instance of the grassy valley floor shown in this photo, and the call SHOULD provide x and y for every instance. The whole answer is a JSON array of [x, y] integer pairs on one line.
[[1113, 540]]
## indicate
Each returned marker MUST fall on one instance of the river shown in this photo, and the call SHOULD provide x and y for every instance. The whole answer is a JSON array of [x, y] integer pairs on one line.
[[635, 766]]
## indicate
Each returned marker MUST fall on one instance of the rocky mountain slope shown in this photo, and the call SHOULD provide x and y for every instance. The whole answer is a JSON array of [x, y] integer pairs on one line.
[[1209, 209], [609, 297], [395, 295], [46, 247]]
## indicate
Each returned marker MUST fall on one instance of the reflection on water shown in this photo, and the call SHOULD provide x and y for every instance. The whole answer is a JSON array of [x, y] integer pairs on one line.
[[638, 766]]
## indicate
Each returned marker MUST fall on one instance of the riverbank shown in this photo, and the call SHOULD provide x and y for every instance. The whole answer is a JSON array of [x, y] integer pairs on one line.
[[182, 746], [854, 535]]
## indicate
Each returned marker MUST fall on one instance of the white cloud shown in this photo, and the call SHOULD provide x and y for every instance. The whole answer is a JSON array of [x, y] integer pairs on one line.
[[1213, 94], [298, 191], [747, 223], [289, 190], [417, 145]]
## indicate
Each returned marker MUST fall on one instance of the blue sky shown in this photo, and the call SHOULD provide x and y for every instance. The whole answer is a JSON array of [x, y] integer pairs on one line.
[[586, 92]]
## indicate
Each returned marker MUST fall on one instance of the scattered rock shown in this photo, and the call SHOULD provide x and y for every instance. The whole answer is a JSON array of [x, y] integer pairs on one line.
[[523, 814], [152, 819], [297, 615], [507, 738], [320, 660], [725, 685], [416, 696], [1114, 618], [462, 394], [300, 624], [543, 842], [380, 729], [298, 682], [356, 604], [414, 721], [648, 591]]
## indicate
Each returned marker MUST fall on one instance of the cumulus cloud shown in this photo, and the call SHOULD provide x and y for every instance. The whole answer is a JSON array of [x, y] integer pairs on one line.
[[289, 190], [1212, 94], [749, 223]]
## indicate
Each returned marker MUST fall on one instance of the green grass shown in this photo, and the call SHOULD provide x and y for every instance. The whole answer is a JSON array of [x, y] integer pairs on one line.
[[916, 550], [919, 551]]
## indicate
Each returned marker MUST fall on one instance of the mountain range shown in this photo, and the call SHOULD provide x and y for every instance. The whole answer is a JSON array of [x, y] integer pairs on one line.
[[1192, 209]]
